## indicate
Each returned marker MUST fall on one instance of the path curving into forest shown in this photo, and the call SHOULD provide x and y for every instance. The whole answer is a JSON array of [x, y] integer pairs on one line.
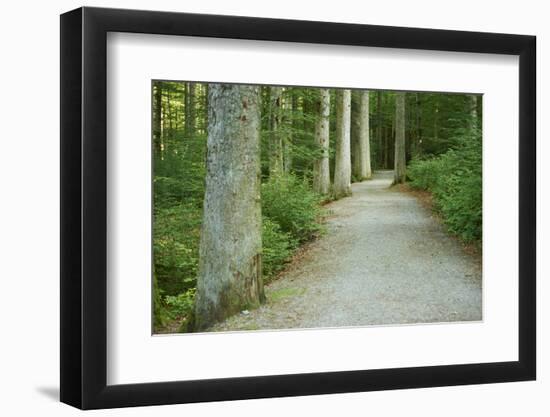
[[383, 260]]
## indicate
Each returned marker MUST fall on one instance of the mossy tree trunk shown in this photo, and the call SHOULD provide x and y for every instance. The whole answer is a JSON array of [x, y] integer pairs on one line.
[[321, 170], [342, 166], [400, 157], [229, 278]]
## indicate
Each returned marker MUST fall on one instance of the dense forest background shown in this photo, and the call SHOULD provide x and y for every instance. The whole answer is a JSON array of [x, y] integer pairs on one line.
[[441, 150]]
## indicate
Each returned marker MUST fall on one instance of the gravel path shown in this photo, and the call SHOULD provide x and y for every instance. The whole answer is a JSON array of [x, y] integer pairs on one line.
[[383, 260]]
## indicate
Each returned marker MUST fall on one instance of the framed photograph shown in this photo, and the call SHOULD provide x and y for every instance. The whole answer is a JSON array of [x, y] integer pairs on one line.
[[257, 208]]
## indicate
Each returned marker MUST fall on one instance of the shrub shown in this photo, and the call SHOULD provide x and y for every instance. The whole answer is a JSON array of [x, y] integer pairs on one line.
[[277, 248], [290, 202], [455, 180], [176, 233], [180, 305]]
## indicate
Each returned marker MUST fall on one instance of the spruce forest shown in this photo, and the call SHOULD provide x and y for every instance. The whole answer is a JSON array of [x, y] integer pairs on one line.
[[284, 207]]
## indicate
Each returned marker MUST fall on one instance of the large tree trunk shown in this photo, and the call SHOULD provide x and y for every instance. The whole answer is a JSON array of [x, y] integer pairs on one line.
[[363, 141], [321, 170], [342, 166], [399, 159], [275, 138], [230, 269]]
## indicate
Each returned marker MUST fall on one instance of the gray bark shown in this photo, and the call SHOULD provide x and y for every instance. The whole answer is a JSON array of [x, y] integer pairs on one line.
[[354, 137], [321, 170], [157, 125], [363, 140], [399, 159], [342, 166], [473, 111], [190, 109], [229, 278], [275, 140]]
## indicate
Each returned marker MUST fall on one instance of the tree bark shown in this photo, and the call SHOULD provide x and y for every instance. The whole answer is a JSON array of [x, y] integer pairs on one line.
[[399, 159], [363, 140], [379, 150], [190, 109], [275, 139], [473, 112], [321, 170], [355, 150], [289, 107], [157, 127], [230, 269], [342, 166], [418, 145]]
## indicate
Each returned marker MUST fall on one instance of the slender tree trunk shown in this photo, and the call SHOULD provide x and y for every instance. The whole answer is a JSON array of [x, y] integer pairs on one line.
[[230, 269], [386, 148], [473, 112], [355, 146], [365, 171], [418, 144], [169, 106], [399, 159], [379, 149], [157, 127], [186, 109], [321, 170], [190, 114], [436, 120], [275, 140], [288, 109], [342, 166]]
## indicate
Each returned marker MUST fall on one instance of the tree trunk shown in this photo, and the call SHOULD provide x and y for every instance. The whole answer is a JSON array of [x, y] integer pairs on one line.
[[399, 159], [230, 269], [418, 145], [364, 136], [379, 150], [275, 138], [190, 109], [321, 170], [342, 166], [436, 120], [355, 146], [289, 107], [473, 112], [157, 129], [169, 107], [386, 148]]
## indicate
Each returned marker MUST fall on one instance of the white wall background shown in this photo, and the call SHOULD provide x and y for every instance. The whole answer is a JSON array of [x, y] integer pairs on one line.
[[29, 226]]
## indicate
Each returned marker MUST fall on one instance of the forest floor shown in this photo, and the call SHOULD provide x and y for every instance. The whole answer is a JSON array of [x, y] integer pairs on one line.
[[385, 259]]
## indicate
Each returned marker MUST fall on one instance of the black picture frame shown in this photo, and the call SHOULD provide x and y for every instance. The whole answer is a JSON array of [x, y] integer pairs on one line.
[[84, 207]]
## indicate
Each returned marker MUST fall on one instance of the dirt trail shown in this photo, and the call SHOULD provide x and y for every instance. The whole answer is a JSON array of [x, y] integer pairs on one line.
[[383, 260]]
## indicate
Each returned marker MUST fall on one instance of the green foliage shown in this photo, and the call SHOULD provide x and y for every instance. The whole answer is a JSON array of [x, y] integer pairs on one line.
[[277, 248], [455, 180], [291, 203], [159, 311], [176, 236], [181, 305]]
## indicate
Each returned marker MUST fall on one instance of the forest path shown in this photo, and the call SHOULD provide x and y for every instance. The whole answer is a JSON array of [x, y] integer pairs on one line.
[[383, 260]]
